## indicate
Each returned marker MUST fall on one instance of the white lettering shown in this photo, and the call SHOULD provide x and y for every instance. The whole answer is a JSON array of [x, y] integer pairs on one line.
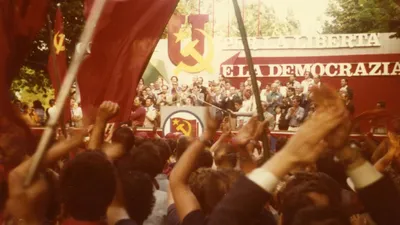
[[344, 69], [333, 41], [241, 70], [373, 40], [257, 68], [385, 68], [301, 69], [321, 69], [396, 69], [347, 41], [320, 42], [227, 70], [361, 39], [328, 69], [288, 69], [272, 70], [282, 42], [374, 67], [360, 70]]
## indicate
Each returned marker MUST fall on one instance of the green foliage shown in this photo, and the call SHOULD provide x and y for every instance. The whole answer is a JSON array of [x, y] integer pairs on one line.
[[31, 85], [352, 16]]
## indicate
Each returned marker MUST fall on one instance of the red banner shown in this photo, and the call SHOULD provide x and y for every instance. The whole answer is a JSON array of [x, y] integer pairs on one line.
[[57, 64], [124, 42], [372, 78]]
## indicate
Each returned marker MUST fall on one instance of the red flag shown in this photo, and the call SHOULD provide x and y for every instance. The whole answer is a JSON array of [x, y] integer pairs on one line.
[[187, 127], [126, 36], [20, 21], [57, 68]]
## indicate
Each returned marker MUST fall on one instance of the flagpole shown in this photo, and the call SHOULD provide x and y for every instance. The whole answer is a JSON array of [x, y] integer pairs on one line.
[[250, 64], [55, 68], [70, 77]]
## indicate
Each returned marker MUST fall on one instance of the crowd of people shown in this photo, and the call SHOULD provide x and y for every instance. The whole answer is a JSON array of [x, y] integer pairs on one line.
[[318, 176], [285, 106]]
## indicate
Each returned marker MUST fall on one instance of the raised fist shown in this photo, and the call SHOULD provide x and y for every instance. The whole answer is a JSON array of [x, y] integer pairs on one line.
[[107, 110]]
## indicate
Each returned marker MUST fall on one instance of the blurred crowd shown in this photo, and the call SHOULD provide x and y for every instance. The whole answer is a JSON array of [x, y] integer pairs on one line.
[[319, 176], [285, 105]]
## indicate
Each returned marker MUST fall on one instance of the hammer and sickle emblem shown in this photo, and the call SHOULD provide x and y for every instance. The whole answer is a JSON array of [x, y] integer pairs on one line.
[[59, 42], [203, 63], [181, 128]]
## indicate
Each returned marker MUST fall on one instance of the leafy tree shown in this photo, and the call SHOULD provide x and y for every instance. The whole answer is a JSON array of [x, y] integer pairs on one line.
[[363, 16]]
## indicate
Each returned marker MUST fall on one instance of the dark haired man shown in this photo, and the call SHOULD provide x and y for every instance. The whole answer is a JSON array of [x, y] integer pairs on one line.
[[295, 115], [87, 185], [139, 112]]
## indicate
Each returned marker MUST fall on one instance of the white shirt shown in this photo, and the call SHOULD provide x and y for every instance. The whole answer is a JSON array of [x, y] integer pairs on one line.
[[306, 84], [151, 114], [51, 111]]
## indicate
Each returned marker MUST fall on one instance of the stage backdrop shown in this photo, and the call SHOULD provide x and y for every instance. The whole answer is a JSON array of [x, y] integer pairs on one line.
[[370, 62]]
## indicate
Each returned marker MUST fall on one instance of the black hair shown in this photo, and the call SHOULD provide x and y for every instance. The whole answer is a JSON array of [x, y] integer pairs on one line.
[[238, 101], [87, 185], [124, 136], [137, 189], [163, 149], [181, 146], [225, 154], [205, 160], [209, 186], [321, 216], [146, 158]]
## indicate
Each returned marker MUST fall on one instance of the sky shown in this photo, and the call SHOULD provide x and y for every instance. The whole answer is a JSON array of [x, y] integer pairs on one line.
[[306, 11]]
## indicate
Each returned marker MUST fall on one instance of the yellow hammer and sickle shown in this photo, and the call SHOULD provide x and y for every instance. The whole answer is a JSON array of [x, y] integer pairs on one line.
[[59, 42], [181, 128], [203, 63]]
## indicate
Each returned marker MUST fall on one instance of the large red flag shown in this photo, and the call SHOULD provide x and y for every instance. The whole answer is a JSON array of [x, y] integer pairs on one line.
[[126, 36], [20, 21], [57, 64]]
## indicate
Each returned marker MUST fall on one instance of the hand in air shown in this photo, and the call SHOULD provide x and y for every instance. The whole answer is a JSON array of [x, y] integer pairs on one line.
[[107, 110]]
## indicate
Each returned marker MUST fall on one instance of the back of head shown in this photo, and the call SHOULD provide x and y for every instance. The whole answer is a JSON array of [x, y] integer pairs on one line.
[[307, 194], [205, 160], [164, 150], [124, 136], [320, 216], [181, 146], [225, 156], [87, 186], [137, 188], [146, 158], [209, 186]]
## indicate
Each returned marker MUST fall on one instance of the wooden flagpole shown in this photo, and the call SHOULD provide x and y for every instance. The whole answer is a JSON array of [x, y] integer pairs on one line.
[[70, 77], [250, 64]]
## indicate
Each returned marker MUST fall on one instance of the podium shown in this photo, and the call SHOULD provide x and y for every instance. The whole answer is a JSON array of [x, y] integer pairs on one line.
[[189, 120]]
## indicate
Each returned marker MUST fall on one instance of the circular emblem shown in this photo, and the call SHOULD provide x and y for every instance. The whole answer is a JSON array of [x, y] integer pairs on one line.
[[185, 122]]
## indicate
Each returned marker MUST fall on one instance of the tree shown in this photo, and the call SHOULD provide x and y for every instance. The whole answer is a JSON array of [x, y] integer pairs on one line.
[[363, 16]]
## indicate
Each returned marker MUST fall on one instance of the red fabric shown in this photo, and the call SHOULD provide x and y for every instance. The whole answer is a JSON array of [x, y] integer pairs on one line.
[[20, 21], [138, 116], [58, 69], [125, 38]]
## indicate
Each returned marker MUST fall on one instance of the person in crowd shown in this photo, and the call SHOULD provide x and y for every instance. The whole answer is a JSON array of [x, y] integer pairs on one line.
[[51, 110], [264, 92], [268, 116], [344, 83], [29, 115], [40, 112], [295, 115], [76, 114], [151, 114], [317, 81], [292, 79], [308, 79], [138, 114], [348, 102], [274, 98]]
